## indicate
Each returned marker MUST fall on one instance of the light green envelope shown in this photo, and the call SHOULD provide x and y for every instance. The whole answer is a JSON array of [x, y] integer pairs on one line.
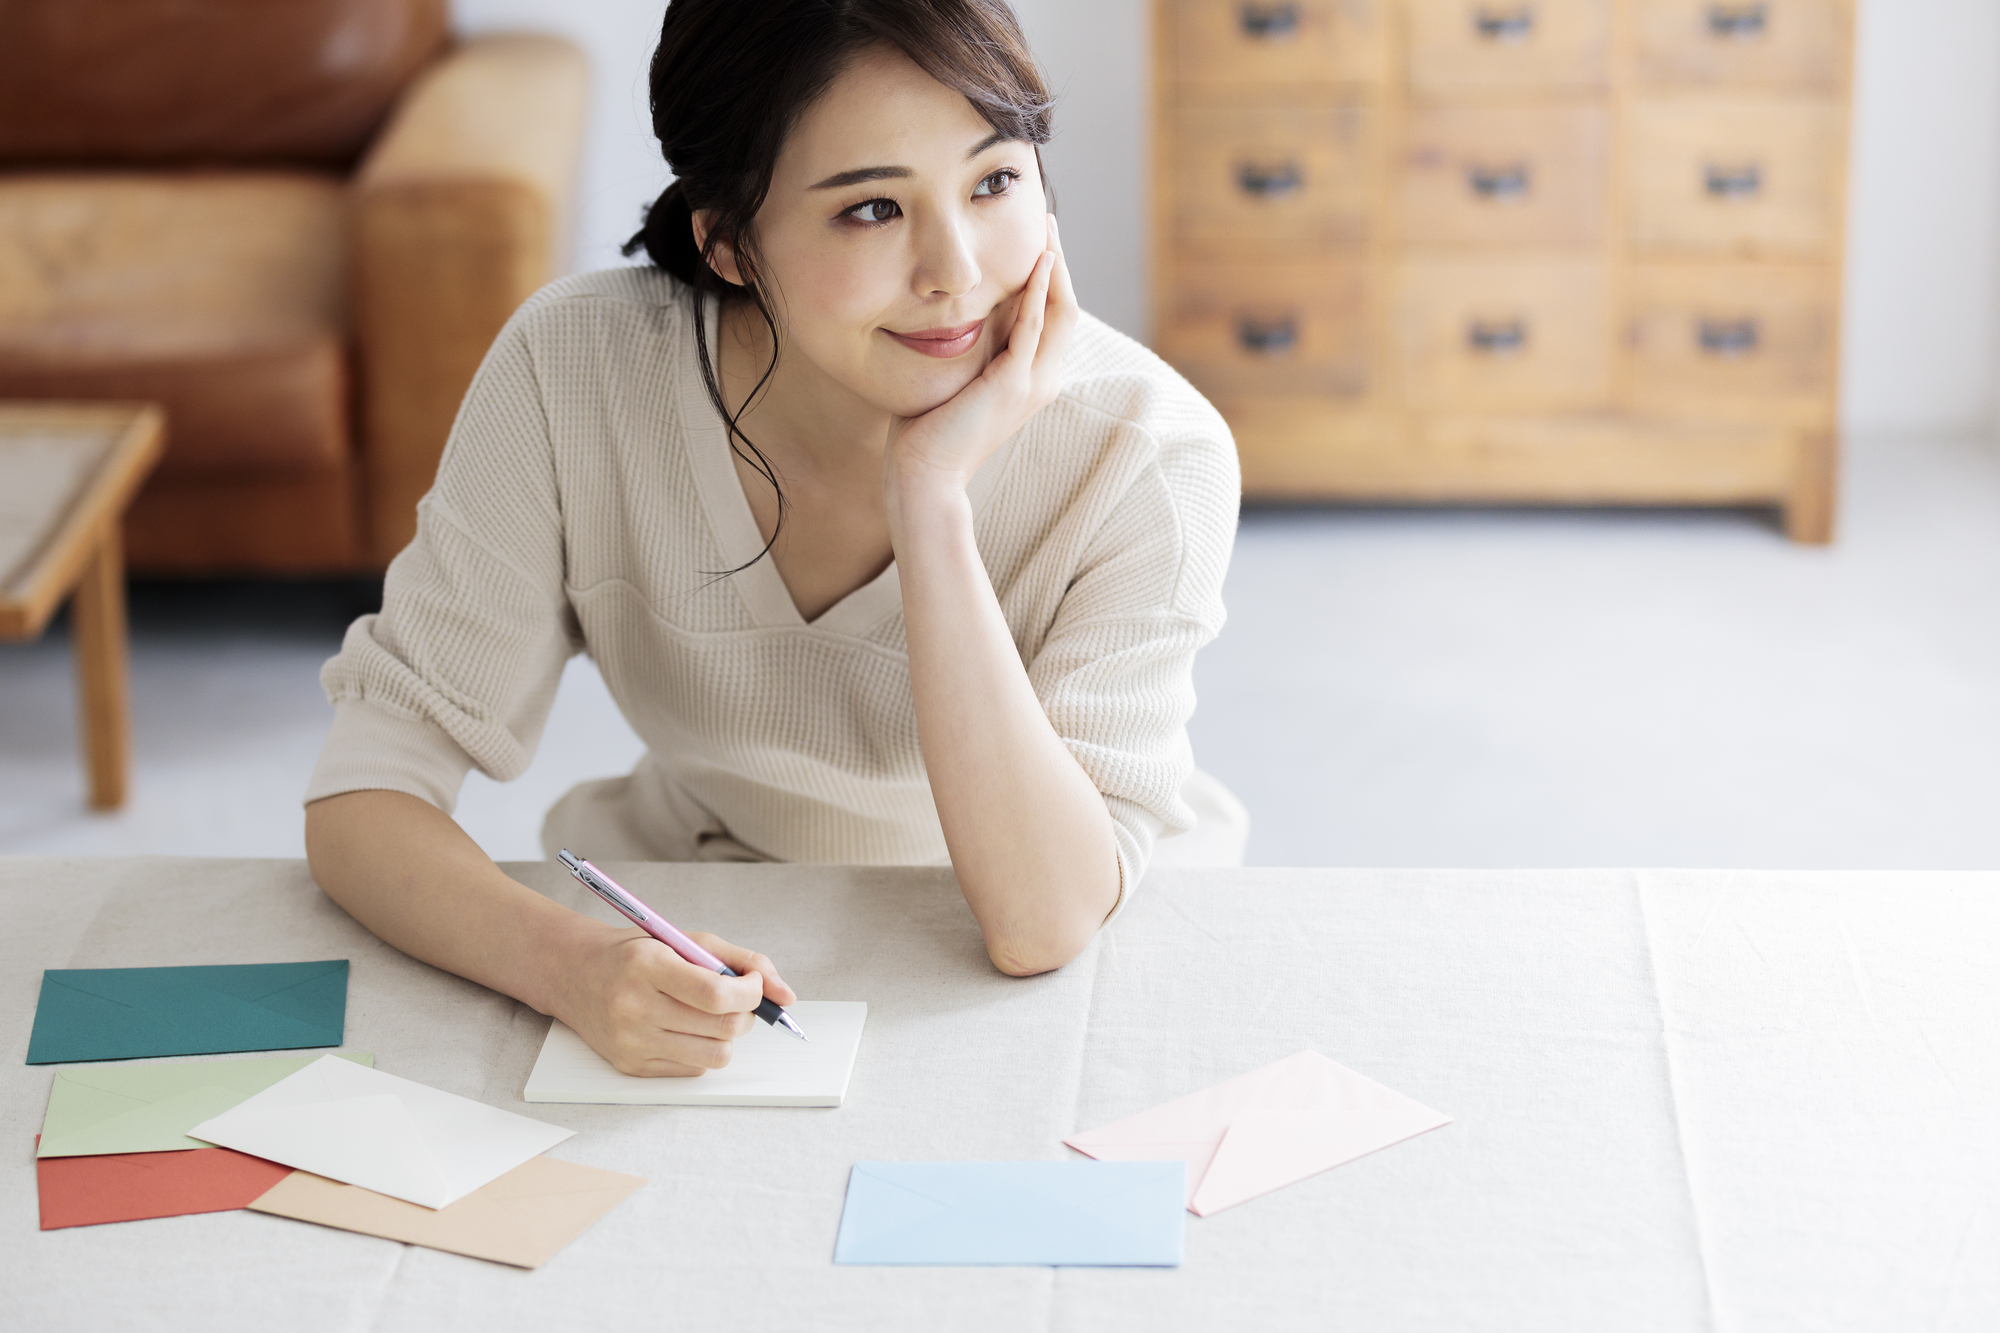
[[96, 1109]]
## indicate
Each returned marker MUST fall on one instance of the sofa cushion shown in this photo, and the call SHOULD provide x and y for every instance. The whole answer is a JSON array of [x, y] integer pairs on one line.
[[220, 295], [206, 81]]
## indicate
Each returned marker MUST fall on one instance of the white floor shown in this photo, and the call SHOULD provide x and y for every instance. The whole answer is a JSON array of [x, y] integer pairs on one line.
[[1394, 688]]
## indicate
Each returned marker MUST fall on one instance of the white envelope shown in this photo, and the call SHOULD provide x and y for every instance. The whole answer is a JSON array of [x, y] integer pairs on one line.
[[349, 1123]]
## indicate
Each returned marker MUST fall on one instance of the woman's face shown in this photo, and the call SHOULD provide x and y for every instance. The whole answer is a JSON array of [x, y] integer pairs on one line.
[[897, 235]]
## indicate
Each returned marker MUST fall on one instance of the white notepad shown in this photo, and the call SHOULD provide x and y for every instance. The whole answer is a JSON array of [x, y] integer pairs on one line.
[[766, 1068]]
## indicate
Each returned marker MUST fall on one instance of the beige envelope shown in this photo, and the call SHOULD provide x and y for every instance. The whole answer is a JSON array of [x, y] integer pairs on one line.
[[522, 1218]]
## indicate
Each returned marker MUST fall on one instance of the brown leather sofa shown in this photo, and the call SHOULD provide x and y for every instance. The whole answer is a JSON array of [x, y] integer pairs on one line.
[[297, 224]]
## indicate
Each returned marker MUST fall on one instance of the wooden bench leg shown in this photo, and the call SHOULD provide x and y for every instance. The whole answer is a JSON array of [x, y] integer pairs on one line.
[[98, 625], [1809, 510]]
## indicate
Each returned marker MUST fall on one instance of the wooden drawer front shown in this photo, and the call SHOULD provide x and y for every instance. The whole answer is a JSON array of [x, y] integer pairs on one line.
[[1506, 174], [1272, 175], [1736, 175], [1250, 45], [1799, 43], [1709, 337], [1508, 45], [1525, 334], [1254, 328]]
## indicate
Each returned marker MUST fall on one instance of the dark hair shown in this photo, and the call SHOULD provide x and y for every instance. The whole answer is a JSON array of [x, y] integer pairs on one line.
[[732, 77]]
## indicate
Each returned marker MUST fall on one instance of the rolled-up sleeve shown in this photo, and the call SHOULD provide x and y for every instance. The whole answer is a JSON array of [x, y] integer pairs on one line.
[[1115, 673], [460, 667]]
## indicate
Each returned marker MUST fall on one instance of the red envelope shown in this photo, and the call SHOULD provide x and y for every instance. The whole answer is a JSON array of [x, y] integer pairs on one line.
[[124, 1187]]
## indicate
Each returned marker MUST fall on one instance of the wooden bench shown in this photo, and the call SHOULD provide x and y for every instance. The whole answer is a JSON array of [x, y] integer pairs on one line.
[[67, 472]]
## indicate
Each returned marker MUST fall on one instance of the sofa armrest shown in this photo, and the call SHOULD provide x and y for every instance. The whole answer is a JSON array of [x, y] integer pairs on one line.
[[462, 208]]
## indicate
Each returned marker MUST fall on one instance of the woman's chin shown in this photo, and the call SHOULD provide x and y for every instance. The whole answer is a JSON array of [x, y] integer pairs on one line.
[[919, 394]]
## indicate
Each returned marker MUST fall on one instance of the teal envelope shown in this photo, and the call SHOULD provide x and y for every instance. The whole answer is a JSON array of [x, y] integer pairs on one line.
[[97, 1109], [1105, 1214], [123, 1013]]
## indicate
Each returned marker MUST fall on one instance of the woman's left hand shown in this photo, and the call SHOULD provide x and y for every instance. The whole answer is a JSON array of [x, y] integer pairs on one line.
[[950, 441]]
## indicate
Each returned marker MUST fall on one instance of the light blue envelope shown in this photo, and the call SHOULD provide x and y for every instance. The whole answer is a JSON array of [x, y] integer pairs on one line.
[[1101, 1214]]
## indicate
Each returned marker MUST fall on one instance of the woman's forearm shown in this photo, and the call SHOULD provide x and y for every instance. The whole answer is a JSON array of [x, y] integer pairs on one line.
[[1028, 832], [404, 869]]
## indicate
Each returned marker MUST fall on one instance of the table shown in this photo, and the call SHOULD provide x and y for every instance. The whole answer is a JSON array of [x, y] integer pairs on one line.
[[1684, 1101], [67, 471]]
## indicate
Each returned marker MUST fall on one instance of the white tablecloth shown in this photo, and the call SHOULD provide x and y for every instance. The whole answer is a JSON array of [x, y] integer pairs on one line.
[[1684, 1101]]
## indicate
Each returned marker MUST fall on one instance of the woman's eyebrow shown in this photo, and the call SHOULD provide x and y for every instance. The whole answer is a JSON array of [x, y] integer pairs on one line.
[[842, 179]]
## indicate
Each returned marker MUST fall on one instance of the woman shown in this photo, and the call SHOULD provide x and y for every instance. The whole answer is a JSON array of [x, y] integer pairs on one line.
[[888, 552]]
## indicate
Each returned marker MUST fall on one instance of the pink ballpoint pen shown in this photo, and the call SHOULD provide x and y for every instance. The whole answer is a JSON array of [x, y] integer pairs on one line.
[[661, 929]]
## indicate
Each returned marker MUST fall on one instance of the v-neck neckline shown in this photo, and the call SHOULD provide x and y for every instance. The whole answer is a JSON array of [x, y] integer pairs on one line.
[[734, 523]]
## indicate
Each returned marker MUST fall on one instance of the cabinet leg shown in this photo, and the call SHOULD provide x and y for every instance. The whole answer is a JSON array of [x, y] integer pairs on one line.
[[1809, 509], [98, 619]]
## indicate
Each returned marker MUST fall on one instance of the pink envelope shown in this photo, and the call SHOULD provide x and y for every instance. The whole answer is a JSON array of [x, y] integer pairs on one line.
[[1264, 1130]]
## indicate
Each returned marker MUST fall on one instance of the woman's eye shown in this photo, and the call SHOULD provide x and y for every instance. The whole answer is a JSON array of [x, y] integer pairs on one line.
[[997, 183], [875, 210]]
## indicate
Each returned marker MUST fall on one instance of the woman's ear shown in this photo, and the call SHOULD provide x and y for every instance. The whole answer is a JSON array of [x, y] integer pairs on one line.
[[723, 261]]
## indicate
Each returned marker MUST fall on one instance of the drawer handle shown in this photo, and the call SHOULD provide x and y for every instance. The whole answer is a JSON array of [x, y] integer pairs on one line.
[[1269, 23], [1267, 337], [1740, 182], [1505, 25], [1499, 183], [1269, 182], [1738, 22], [1496, 337], [1728, 337]]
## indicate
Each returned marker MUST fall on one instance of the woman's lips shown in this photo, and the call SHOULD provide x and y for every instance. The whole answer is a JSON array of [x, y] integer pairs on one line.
[[941, 342]]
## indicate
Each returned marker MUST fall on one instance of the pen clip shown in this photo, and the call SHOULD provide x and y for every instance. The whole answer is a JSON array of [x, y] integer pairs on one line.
[[599, 885]]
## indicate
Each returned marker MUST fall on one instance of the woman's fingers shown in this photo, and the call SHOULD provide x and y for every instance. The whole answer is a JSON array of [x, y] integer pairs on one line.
[[1025, 338], [658, 1053], [745, 962], [697, 987], [1062, 308]]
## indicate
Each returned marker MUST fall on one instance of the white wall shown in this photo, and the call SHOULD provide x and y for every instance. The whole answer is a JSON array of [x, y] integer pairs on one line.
[[1097, 58], [1923, 270], [1923, 314], [622, 170]]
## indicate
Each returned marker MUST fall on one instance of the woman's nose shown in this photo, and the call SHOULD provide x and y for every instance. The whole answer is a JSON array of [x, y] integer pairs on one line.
[[946, 264]]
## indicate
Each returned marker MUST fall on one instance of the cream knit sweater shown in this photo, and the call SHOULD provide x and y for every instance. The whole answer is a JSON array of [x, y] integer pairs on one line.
[[585, 502]]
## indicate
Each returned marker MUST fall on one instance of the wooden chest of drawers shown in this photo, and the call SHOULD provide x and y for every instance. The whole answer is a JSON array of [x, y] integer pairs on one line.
[[1538, 251]]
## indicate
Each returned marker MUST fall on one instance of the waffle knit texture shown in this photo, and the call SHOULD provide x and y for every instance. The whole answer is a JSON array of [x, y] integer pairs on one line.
[[586, 500]]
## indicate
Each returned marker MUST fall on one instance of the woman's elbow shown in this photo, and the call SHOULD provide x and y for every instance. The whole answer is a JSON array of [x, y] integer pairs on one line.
[[1019, 957]]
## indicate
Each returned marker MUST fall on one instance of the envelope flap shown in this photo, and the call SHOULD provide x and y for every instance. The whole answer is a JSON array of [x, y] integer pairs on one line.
[[885, 1201], [149, 1108], [121, 1013], [1268, 1148], [303, 992], [157, 1126], [1194, 1155]]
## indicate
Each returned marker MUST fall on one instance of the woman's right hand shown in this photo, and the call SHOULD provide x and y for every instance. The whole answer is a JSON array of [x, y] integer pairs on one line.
[[652, 1013]]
